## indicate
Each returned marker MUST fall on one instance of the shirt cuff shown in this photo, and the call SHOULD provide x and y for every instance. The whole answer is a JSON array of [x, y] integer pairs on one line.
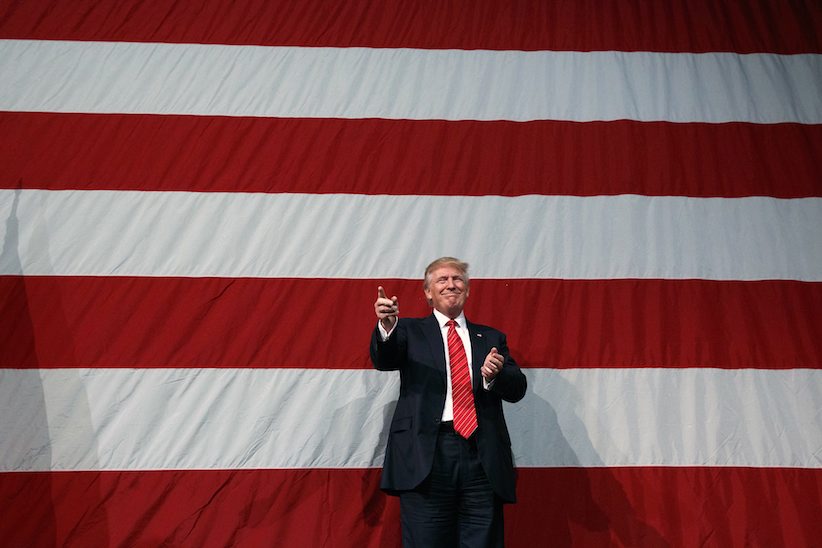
[[385, 334]]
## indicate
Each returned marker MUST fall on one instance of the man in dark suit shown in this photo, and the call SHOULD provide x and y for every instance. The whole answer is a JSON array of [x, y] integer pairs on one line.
[[448, 455]]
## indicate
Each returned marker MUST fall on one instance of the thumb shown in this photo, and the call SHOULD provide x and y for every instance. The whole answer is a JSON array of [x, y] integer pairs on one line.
[[493, 350], [395, 300], [380, 292]]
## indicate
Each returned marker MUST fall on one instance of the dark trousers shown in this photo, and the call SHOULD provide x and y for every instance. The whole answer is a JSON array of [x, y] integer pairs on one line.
[[455, 505]]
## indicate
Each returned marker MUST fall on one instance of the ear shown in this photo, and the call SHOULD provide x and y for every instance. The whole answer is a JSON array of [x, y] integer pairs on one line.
[[427, 292]]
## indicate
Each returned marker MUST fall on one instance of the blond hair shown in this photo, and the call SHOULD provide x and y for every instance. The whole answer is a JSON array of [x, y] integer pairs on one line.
[[445, 261]]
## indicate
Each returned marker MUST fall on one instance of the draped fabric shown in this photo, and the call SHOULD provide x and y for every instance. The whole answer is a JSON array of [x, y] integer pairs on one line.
[[198, 202]]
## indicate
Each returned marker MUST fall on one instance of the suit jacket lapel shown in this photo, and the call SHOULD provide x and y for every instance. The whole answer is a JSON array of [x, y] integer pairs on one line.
[[478, 352], [431, 329]]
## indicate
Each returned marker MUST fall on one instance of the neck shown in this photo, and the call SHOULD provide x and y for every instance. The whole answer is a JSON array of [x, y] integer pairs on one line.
[[450, 314]]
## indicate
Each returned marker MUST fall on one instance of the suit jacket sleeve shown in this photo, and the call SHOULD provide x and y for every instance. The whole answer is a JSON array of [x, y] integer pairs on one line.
[[386, 355], [510, 383]]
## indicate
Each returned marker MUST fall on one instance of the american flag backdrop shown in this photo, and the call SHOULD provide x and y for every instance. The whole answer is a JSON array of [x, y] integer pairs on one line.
[[198, 201]]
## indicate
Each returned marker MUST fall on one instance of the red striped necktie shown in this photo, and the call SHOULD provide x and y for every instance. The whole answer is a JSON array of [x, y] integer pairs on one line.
[[465, 415]]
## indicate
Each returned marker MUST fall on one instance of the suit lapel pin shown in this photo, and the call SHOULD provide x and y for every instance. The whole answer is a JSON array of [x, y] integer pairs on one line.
[[479, 335]]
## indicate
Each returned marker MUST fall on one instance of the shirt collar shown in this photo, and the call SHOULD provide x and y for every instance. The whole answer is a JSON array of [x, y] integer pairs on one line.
[[442, 319]]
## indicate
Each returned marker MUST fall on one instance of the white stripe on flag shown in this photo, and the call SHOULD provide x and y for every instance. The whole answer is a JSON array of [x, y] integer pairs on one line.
[[104, 77], [152, 419], [99, 233]]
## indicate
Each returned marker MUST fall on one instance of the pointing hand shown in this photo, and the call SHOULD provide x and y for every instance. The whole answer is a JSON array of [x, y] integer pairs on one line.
[[386, 309]]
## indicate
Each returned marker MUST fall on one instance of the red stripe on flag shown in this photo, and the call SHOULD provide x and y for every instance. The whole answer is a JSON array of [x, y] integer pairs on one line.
[[648, 506], [656, 506], [198, 508], [144, 152], [681, 25], [216, 322]]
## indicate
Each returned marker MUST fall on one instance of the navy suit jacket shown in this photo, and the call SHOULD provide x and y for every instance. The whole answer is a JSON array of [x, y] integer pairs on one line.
[[416, 349]]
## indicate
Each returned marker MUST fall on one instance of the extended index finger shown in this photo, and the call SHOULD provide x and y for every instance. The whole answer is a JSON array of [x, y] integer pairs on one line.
[[381, 292]]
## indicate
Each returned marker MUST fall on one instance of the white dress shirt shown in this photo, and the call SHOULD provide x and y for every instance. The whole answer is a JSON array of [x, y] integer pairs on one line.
[[462, 331]]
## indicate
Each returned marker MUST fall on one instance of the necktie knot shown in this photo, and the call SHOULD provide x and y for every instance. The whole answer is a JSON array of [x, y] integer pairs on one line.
[[452, 323]]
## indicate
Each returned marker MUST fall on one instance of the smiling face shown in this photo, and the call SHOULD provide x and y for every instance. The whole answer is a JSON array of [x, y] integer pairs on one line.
[[446, 289]]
